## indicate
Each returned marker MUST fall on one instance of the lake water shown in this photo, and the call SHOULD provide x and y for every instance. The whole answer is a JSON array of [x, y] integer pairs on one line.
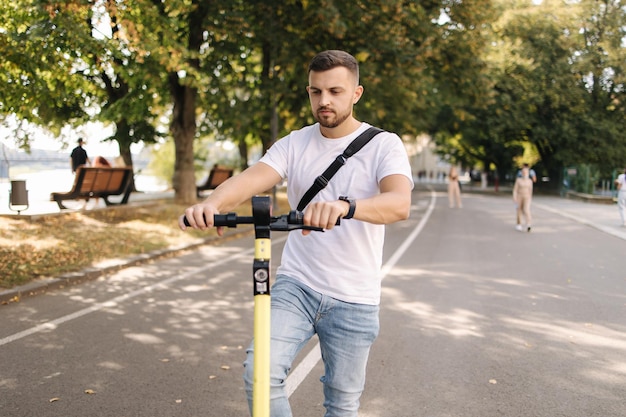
[[41, 184]]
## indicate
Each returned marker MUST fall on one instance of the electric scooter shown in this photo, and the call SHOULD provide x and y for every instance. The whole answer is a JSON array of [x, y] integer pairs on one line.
[[264, 223]]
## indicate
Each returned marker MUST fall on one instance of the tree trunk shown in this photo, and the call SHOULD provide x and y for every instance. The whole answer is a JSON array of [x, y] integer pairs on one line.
[[124, 141], [243, 154], [267, 75], [183, 129]]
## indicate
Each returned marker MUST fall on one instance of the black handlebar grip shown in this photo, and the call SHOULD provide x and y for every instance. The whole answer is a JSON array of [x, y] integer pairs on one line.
[[226, 220], [218, 220], [295, 217]]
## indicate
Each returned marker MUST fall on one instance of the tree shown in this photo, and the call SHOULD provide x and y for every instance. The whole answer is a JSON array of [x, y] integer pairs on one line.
[[464, 124], [40, 83], [224, 68], [85, 72], [558, 81], [599, 63]]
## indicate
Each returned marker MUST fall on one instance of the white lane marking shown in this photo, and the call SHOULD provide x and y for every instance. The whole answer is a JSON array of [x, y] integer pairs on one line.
[[409, 240], [298, 375]]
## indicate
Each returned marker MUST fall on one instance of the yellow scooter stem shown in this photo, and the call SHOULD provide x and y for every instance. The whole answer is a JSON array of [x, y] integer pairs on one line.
[[261, 373]]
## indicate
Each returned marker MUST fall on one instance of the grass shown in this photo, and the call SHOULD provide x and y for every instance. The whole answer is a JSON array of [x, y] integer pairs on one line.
[[49, 246]]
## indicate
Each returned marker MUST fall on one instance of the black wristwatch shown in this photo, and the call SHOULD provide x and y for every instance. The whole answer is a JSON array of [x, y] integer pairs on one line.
[[352, 203]]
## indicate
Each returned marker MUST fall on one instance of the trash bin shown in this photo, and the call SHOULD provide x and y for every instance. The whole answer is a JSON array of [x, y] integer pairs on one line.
[[18, 196]]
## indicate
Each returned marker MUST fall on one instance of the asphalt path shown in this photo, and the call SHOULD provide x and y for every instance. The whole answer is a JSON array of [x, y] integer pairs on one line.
[[476, 320]]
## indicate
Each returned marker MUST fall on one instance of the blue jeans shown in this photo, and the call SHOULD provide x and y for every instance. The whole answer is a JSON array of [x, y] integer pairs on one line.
[[346, 332]]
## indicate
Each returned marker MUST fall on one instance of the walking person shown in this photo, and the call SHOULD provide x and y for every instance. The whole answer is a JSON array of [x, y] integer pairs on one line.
[[620, 183], [533, 176], [79, 156], [522, 195], [328, 283], [454, 188]]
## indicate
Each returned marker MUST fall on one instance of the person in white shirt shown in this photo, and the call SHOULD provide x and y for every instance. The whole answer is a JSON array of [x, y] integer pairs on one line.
[[328, 283], [620, 183]]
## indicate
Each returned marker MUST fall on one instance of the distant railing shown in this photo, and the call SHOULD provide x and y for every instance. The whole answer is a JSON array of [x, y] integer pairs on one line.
[[586, 179], [29, 158]]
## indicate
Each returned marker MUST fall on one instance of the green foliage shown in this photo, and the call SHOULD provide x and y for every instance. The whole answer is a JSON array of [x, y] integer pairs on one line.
[[557, 83], [489, 79], [208, 152], [39, 77], [161, 163]]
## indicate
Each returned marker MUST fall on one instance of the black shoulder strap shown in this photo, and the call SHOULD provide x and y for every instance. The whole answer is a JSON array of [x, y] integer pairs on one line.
[[322, 181]]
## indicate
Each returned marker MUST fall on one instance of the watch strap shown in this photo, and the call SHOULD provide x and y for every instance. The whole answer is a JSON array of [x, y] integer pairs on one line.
[[351, 209]]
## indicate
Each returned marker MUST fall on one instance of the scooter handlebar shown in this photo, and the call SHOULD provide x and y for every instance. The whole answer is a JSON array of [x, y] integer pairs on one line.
[[287, 222]]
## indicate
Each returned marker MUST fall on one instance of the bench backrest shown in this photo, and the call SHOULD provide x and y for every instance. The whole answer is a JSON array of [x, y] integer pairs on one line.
[[101, 179], [218, 175]]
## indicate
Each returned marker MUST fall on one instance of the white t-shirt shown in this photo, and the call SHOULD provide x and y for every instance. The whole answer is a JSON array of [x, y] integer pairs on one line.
[[345, 262], [621, 179]]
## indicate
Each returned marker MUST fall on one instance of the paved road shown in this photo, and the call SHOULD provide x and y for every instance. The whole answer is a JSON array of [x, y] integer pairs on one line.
[[477, 320]]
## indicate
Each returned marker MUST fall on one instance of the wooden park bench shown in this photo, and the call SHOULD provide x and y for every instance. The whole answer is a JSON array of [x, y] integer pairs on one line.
[[96, 182], [217, 175]]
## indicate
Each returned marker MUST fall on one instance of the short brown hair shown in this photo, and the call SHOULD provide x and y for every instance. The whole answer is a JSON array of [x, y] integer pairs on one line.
[[335, 58]]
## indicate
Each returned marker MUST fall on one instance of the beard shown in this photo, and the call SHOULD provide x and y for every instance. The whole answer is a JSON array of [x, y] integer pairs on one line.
[[330, 121]]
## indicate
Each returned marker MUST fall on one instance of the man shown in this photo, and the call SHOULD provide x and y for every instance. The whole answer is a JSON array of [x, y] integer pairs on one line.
[[620, 183], [328, 283], [78, 156]]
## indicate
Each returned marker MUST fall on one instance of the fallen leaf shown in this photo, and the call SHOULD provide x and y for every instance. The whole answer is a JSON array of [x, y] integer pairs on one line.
[[90, 391], [225, 367], [212, 376], [54, 399], [493, 381], [179, 401]]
